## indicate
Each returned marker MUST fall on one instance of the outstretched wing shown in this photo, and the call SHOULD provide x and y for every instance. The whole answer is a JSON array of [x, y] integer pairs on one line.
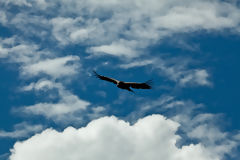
[[105, 78], [145, 85]]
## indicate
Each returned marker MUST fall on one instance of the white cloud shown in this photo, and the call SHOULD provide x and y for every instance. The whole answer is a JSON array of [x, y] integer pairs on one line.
[[4, 156], [195, 126], [21, 130], [42, 84], [100, 26], [68, 109], [5, 46], [202, 127], [147, 22], [153, 137], [97, 112], [197, 15], [79, 34], [3, 52], [30, 24], [19, 51], [176, 69], [42, 4], [18, 2], [56, 68], [66, 106], [35, 61], [136, 64], [205, 132], [40, 63], [162, 101], [121, 48], [66, 28], [3, 18], [196, 76], [237, 136]]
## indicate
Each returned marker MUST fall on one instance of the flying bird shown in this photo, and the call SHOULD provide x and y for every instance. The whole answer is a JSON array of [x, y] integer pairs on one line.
[[125, 85]]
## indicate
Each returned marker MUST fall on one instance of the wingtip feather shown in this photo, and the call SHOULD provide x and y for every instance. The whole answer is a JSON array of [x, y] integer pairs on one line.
[[95, 74], [149, 83]]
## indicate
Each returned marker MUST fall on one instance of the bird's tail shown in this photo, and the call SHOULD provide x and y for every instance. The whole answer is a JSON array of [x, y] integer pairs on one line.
[[150, 83]]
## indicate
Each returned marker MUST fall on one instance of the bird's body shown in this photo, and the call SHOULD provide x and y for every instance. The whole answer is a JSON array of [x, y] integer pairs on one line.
[[125, 85]]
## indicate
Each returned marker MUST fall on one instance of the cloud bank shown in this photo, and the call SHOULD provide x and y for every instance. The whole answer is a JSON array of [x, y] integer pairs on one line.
[[153, 137]]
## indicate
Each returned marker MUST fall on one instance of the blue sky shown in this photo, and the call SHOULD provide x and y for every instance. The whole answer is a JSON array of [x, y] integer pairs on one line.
[[52, 107]]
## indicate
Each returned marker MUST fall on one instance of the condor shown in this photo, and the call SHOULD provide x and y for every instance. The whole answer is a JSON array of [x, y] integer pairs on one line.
[[125, 85]]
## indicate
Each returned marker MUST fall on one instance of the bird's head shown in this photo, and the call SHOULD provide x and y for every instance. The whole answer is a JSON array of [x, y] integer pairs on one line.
[[120, 83]]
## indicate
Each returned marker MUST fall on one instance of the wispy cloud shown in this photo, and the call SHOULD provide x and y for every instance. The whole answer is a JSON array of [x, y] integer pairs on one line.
[[42, 84], [17, 50], [139, 63], [3, 18], [21, 130], [66, 110], [102, 29], [120, 48], [35, 63], [18, 2], [56, 68], [4, 156], [175, 69], [197, 76]]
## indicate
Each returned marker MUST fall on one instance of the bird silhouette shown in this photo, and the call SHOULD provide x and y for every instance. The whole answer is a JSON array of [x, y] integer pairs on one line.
[[125, 85]]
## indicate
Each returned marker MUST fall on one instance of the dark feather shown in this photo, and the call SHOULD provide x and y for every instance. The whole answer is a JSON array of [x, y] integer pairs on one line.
[[105, 78], [145, 85]]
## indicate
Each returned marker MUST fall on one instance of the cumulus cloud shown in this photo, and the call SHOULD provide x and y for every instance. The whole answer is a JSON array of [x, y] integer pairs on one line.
[[21, 130], [195, 126], [153, 137]]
